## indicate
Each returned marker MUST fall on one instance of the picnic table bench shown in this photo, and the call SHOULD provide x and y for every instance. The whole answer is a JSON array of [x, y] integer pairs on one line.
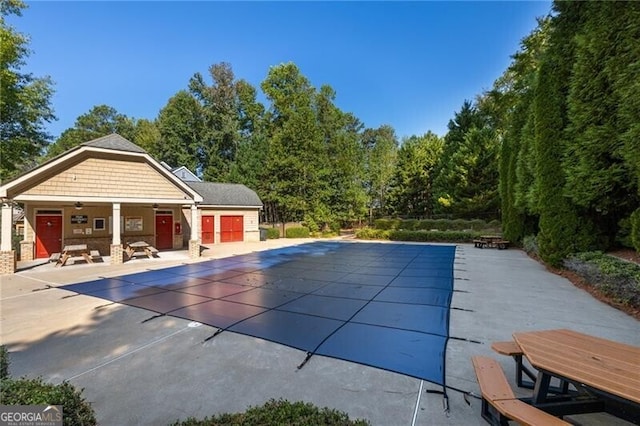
[[491, 241], [594, 374], [500, 404], [140, 248]]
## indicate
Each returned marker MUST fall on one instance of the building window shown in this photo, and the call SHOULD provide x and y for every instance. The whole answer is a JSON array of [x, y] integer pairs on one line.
[[99, 224]]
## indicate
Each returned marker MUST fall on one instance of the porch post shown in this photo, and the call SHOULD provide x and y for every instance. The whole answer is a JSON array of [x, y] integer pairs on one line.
[[7, 254], [194, 243], [116, 244]]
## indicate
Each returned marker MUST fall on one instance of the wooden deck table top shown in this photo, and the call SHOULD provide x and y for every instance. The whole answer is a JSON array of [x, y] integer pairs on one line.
[[599, 363]]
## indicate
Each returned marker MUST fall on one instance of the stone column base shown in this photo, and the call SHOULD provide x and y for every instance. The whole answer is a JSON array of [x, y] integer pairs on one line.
[[26, 250], [117, 254], [7, 262], [194, 249]]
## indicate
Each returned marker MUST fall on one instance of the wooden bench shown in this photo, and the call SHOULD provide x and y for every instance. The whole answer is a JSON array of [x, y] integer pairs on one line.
[[512, 349], [154, 251], [95, 255], [499, 403], [55, 257]]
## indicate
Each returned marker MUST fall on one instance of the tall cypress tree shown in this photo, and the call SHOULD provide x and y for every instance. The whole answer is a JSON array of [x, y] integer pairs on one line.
[[598, 179], [561, 229]]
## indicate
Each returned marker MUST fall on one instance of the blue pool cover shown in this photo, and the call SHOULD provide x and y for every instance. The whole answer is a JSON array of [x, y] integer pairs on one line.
[[382, 305]]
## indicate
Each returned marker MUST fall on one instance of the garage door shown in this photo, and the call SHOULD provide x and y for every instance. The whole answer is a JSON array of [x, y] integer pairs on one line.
[[231, 229], [207, 230]]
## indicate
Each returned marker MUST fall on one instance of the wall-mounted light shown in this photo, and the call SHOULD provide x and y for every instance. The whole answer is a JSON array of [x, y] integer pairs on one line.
[[78, 205], [155, 207]]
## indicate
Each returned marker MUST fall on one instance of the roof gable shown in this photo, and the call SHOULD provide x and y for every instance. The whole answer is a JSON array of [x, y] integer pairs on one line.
[[110, 147]]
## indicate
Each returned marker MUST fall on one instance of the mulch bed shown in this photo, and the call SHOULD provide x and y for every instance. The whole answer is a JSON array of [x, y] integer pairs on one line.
[[578, 281]]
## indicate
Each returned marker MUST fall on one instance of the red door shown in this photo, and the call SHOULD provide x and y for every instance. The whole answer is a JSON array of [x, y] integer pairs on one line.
[[164, 231], [48, 235], [231, 229], [207, 230]]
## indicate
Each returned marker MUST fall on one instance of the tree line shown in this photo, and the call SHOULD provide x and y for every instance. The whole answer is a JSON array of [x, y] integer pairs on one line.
[[552, 147], [568, 109]]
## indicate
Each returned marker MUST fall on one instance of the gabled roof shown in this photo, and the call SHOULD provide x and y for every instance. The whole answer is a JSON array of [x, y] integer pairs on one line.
[[226, 194], [109, 146], [185, 174], [114, 142]]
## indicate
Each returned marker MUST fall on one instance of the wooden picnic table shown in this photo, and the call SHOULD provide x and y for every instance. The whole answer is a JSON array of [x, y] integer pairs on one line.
[[608, 370], [142, 248], [491, 241], [74, 250]]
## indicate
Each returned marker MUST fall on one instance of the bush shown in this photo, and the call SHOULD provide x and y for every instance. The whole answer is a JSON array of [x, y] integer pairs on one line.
[[278, 412], [4, 362], [386, 224], [635, 229], [76, 410], [272, 233], [297, 232], [613, 277], [416, 236], [530, 245]]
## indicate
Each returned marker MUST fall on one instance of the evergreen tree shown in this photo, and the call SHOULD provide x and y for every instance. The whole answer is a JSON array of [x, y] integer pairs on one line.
[[561, 229], [411, 193]]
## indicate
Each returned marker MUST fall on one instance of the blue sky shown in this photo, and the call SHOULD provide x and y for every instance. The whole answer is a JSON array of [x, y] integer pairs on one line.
[[407, 64]]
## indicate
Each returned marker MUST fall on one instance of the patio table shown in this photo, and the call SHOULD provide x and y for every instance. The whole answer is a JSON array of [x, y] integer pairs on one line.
[[607, 371]]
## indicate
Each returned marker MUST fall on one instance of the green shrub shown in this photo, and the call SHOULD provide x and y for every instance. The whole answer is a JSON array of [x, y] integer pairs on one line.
[[385, 224], [4, 362], [623, 236], [530, 244], [276, 413], [297, 232], [416, 236], [610, 275], [273, 233], [76, 410], [635, 229]]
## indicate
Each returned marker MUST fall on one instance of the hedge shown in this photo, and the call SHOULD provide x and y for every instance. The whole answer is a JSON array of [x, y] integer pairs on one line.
[[416, 236], [276, 413], [272, 233], [437, 224], [297, 232]]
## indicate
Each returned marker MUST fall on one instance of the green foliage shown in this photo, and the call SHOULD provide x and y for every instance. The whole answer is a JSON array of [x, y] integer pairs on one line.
[[530, 245], [436, 224], [25, 100], [411, 190], [101, 120], [381, 153], [272, 233], [635, 229], [297, 232], [276, 413], [4, 362], [181, 127], [76, 410], [416, 236], [466, 182], [612, 276]]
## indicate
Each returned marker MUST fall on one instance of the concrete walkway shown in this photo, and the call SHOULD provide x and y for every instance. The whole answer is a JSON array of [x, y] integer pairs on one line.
[[156, 372]]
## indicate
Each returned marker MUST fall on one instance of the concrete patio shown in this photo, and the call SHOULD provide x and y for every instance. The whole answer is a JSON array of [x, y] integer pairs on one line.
[[156, 372]]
